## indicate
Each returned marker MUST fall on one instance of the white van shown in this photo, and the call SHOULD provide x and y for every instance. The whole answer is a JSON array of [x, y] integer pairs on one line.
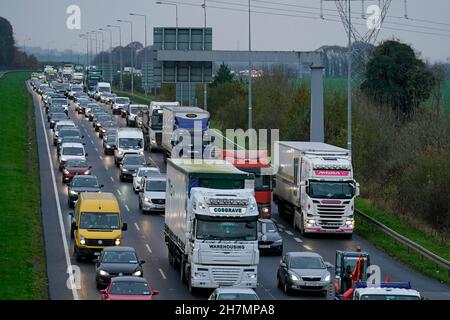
[[102, 87], [128, 141], [71, 151]]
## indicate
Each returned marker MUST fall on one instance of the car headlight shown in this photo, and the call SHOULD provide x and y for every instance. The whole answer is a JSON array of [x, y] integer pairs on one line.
[[293, 277], [146, 199], [108, 146], [137, 273], [59, 140], [327, 278], [311, 221], [265, 210], [279, 241], [251, 275], [350, 222], [63, 159], [103, 273], [124, 170], [117, 242], [200, 274], [73, 193], [82, 241], [141, 153], [87, 172], [120, 152]]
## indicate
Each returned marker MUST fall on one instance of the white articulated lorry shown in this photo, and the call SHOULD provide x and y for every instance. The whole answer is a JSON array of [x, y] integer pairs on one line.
[[315, 187], [185, 132], [211, 223]]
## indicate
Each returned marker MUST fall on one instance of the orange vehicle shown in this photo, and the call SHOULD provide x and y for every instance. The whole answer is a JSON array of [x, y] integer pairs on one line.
[[255, 162]]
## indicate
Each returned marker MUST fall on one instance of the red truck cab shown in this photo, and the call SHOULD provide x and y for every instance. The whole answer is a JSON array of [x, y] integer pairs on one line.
[[256, 162]]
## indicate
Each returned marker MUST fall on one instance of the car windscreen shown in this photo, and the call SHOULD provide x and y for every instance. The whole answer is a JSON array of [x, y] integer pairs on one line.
[[76, 164], [148, 172], [119, 257], [104, 117], [59, 116], [130, 143], [122, 100], [130, 288], [270, 227], [133, 160], [88, 182], [306, 263], [155, 186], [69, 133], [135, 110], [97, 220], [111, 137], [73, 151], [104, 89]]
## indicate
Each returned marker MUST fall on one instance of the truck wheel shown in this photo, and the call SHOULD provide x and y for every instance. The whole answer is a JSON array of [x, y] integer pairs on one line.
[[183, 271], [77, 253], [302, 226], [191, 289]]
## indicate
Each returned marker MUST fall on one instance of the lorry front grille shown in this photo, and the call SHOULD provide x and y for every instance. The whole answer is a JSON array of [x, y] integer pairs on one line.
[[330, 224], [226, 276], [103, 242], [330, 211]]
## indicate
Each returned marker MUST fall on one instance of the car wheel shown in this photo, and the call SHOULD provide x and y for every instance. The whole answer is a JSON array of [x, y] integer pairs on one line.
[[77, 254], [286, 288], [279, 284], [121, 178]]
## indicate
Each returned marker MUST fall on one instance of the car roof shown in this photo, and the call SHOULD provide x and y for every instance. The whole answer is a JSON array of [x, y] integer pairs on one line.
[[72, 145], [133, 155], [388, 291], [303, 254], [161, 177], [91, 176], [235, 290], [149, 168], [119, 249], [128, 279]]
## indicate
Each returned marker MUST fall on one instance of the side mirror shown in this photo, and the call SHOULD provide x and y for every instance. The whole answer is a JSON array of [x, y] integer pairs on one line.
[[82, 137], [124, 227], [74, 226], [90, 167], [86, 155], [71, 213], [282, 264], [155, 292], [101, 186], [328, 265], [142, 261]]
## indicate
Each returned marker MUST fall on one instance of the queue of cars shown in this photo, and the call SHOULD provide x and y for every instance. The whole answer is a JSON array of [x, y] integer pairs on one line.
[[97, 230]]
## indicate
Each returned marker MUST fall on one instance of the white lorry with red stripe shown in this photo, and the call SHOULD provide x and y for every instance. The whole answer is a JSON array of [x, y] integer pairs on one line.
[[314, 187]]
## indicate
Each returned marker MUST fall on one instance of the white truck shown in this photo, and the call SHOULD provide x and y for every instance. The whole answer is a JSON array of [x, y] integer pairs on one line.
[[211, 223], [101, 88], [152, 123], [182, 127], [315, 187], [128, 141]]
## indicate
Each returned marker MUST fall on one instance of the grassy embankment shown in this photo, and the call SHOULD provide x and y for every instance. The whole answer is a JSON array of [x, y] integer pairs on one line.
[[22, 255]]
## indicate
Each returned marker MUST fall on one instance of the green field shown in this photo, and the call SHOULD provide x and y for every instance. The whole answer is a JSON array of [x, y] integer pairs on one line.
[[22, 255], [431, 242]]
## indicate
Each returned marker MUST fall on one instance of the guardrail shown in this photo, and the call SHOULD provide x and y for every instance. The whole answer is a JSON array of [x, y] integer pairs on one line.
[[411, 245]]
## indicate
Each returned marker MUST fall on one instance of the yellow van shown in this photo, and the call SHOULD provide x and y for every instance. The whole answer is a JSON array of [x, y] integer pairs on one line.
[[96, 223]]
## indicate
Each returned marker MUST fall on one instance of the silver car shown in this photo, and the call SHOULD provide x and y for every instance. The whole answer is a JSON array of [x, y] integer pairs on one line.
[[303, 271]]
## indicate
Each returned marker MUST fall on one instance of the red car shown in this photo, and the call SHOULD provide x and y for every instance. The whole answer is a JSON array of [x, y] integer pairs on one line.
[[75, 167], [128, 288]]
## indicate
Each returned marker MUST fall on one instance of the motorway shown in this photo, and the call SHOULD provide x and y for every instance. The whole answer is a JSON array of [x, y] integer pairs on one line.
[[145, 232]]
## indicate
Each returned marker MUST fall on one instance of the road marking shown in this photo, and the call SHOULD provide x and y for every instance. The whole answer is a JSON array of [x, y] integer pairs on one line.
[[101, 158], [128, 209], [298, 239], [118, 191], [137, 227], [307, 247], [58, 207], [289, 232], [96, 149], [148, 248], [162, 273], [112, 179]]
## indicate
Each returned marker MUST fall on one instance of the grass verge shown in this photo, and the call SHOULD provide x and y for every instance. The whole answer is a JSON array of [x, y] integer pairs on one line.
[[134, 98], [22, 255], [397, 250]]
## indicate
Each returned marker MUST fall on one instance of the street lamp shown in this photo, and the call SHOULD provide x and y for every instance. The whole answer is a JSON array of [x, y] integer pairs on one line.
[[110, 52], [145, 49], [121, 60], [48, 47], [86, 37], [171, 4], [103, 48], [205, 85], [24, 49], [96, 45], [250, 104], [132, 53]]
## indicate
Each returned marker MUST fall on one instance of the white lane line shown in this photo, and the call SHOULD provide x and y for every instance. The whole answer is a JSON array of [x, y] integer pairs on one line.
[[281, 226], [118, 191], [307, 247], [101, 158], [137, 227], [58, 207], [128, 209], [298, 239], [96, 149], [148, 248], [112, 179], [289, 232], [162, 273]]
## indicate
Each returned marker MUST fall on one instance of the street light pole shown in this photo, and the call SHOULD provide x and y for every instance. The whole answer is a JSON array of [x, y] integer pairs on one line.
[[145, 49], [176, 9], [250, 103], [205, 85], [103, 49], [110, 53], [349, 82], [120, 53], [132, 54]]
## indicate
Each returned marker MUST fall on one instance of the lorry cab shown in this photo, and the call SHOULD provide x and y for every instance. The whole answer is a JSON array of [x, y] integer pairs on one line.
[[96, 223], [128, 141], [101, 88]]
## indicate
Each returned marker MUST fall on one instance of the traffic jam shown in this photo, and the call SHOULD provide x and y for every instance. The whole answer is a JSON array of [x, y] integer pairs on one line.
[[216, 216]]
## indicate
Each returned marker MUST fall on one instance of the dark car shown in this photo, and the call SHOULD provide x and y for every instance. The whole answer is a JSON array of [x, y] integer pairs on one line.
[[269, 239], [73, 168], [303, 271], [109, 142], [117, 262], [56, 117], [54, 109], [65, 132], [99, 118], [130, 164], [81, 104], [95, 111], [128, 288], [81, 183], [105, 126]]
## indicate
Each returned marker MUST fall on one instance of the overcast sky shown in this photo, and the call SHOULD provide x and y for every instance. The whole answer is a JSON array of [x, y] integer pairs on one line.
[[44, 21]]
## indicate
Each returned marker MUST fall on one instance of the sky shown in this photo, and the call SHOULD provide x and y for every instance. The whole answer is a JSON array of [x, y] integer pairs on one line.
[[290, 24]]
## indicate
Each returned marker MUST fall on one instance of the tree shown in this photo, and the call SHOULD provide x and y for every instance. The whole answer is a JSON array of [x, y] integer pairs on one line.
[[7, 48], [396, 77], [223, 75]]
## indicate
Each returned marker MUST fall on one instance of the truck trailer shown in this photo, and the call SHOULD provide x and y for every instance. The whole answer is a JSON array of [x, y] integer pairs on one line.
[[315, 188], [211, 223]]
